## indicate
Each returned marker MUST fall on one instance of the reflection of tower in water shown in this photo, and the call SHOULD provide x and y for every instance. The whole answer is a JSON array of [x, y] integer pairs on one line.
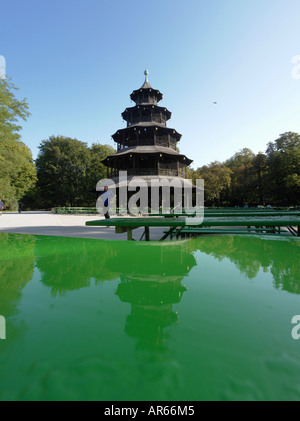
[[152, 287], [151, 308]]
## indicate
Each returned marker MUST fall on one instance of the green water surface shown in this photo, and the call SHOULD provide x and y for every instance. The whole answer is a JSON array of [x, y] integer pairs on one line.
[[203, 319]]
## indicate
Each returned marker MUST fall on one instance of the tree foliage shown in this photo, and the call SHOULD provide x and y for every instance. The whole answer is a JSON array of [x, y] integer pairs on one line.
[[242, 176], [272, 177], [216, 179], [68, 171], [11, 111], [17, 171], [283, 157]]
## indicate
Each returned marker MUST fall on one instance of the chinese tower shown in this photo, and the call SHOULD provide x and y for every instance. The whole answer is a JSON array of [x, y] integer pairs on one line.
[[147, 148]]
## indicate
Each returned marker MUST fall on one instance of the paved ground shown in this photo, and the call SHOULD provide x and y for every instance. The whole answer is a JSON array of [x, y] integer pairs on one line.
[[47, 223]]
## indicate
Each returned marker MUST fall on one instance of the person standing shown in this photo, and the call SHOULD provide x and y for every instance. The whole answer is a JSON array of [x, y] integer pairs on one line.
[[106, 196], [20, 207], [1, 206]]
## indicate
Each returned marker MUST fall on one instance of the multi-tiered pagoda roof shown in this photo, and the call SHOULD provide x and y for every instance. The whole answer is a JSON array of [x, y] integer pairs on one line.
[[147, 148]]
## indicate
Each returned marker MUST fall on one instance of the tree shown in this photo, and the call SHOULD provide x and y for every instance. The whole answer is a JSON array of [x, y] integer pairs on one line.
[[242, 180], [270, 178], [216, 179], [191, 174], [97, 170], [17, 171], [68, 171], [62, 165], [16, 166], [261, 185], [11, 110], [283, 158]]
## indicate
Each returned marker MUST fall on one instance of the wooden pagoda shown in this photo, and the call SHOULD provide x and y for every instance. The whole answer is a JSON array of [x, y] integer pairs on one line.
[[146, 148]]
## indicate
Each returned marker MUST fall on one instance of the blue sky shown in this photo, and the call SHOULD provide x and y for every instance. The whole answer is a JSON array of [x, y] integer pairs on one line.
[[77, 63]]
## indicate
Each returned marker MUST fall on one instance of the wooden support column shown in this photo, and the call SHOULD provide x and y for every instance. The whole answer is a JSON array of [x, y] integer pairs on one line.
[[147, 234], [129, 233]]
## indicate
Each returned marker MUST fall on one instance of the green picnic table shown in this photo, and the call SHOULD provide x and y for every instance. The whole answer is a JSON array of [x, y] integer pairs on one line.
[[227, 214], [126, 224]]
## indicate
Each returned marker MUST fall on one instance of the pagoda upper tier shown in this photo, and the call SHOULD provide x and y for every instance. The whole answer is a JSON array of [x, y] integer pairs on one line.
[[146, 121], [146, 94], [146, 108], [146, 112]]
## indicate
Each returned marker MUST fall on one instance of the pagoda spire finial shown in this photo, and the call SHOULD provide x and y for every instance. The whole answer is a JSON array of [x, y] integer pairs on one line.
[[146, 73]]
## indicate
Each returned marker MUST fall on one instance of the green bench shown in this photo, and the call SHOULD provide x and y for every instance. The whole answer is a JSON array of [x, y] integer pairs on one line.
[[200, 231], [208, 214], [175, 225]]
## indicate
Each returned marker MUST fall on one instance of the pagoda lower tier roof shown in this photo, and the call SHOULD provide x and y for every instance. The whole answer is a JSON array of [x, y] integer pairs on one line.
[[147, 149], [151, 149]]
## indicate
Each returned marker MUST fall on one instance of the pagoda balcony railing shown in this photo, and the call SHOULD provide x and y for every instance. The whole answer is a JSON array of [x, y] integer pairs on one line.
[[145, 119], [172, 173], [148, 171], [145, 100], [142, 171], [147, 142]]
